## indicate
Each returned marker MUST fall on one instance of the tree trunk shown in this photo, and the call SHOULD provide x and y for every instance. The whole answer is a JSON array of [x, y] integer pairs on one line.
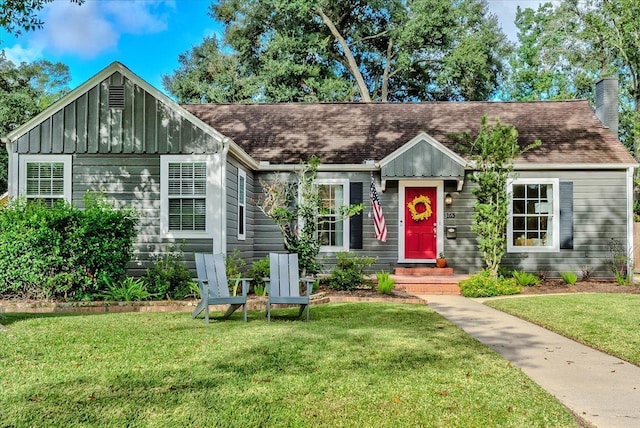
[[384, 96], [351, 61]]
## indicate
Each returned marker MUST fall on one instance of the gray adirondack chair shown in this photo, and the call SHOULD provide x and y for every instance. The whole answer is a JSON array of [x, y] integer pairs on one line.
[[214, 287], [283, 284]]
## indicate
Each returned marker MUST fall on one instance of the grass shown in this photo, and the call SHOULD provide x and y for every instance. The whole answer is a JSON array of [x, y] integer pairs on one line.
[[357, 364], [608, 322]]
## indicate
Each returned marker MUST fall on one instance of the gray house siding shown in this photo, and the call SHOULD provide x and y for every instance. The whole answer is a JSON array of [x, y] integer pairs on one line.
[[117, 151], [245, 247], [599, 215], [268, 238], [133, 181]]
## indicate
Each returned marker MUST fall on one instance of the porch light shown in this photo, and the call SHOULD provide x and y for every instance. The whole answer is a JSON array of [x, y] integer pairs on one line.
[[448, 199]]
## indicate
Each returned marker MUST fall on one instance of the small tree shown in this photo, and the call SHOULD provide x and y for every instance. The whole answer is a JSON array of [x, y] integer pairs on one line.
[[294, 206], [493, 152]]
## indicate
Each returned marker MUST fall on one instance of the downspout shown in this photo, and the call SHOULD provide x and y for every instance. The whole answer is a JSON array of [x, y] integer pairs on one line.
[[223, 197]]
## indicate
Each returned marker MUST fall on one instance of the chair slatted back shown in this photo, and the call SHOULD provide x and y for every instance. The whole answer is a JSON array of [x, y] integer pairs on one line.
[[211, 268], [284, 275]]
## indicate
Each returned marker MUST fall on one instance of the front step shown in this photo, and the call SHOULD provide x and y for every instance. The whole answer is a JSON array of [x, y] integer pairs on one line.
[[423, 271], [429, 284]]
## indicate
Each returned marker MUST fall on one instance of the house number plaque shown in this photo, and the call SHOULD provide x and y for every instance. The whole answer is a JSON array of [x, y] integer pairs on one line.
[[450, 215]]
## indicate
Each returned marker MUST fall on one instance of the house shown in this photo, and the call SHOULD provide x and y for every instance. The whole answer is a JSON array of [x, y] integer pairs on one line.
[[194, 172]]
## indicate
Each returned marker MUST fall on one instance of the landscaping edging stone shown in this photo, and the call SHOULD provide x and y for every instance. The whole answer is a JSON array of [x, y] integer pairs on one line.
[[253, 304]]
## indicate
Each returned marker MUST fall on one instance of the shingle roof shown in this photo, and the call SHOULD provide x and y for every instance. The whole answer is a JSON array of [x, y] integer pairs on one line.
[[349, 133]]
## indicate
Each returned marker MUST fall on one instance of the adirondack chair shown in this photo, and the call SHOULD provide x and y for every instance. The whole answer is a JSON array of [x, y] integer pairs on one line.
[[283, 284], [214, 287]]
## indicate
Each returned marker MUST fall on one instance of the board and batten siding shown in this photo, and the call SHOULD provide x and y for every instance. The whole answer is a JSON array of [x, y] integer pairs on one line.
[[87, 125], [599, 215]]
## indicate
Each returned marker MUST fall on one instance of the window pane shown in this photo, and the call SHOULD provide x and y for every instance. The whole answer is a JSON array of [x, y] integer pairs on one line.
[[330, 226], [45, 179], [187, 214], [532, 218]]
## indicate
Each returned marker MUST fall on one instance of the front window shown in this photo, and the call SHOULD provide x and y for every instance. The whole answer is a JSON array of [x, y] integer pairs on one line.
[[242, 205], [184, 204], [333, 233], [534, 222], [46, 178]]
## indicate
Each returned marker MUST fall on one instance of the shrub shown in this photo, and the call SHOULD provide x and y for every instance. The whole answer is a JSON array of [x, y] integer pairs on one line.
[[569, 277], [234, 265], [63, 251], [258, 271], [385, 282], [169, 277], [483, 284], [526, 279], [128, 290], [349, 272]]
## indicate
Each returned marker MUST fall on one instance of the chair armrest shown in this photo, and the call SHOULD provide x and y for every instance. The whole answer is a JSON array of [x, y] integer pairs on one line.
[[245, 285], [309, 282]]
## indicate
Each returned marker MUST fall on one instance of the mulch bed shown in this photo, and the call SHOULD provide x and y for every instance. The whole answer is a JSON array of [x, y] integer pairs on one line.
[[553, 286]]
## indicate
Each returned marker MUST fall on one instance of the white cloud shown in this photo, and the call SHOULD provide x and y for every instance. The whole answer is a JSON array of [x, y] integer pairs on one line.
[[18, 54], [96, 26]]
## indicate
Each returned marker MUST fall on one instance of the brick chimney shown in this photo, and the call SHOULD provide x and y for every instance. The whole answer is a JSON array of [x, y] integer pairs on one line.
[[607, 103]]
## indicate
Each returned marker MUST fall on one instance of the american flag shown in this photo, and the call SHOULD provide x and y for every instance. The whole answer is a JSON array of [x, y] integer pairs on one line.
[[378, 218]]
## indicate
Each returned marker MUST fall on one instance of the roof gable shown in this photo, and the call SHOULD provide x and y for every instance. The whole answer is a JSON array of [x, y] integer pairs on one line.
[[148, 121], [423, 156]]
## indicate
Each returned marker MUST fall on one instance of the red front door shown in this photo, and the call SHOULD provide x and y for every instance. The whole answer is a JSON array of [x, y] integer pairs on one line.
[[420, 220]]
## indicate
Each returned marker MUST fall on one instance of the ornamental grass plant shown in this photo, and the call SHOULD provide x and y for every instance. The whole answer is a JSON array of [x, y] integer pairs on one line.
[[352, 365]]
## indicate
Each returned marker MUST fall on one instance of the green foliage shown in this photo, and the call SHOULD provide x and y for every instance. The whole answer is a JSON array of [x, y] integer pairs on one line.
[[294, 207], [349, 272], [492, 151], [26, 90], [484, 284], [385, 282], [258, 272], [619, 262], [22, 15], [63, 251], [128, 290], [234, 264], [169, 277], [525, 279], [373, 50], [569, 277]]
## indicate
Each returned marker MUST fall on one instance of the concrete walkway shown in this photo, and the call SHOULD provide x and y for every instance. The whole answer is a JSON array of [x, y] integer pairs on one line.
[[600, 389]]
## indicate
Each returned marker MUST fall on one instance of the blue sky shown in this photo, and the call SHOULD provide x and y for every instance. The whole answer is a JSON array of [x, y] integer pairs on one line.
[[145, 35]]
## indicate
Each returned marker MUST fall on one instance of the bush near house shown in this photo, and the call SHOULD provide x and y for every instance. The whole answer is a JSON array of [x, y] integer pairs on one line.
[[349, 272], [483, 284], [63, 251]]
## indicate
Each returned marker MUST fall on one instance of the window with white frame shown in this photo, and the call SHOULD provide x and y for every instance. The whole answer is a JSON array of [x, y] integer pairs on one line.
[[46, 178], [534, 223], [184, 205], [242, 205], [333, 229]]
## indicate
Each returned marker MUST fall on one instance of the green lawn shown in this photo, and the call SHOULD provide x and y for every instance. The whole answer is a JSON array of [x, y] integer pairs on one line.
[[360, 365], [609, 322]]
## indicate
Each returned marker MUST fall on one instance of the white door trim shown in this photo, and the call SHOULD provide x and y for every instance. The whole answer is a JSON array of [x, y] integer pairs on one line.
[[439, 185]]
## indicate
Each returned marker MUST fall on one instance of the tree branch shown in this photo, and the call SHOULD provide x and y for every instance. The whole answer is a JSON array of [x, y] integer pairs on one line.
[[384, 96], [351, 61]]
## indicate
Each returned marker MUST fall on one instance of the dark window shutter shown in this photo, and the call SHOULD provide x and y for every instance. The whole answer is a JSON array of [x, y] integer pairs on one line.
[[566, 215], [355, 222]]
